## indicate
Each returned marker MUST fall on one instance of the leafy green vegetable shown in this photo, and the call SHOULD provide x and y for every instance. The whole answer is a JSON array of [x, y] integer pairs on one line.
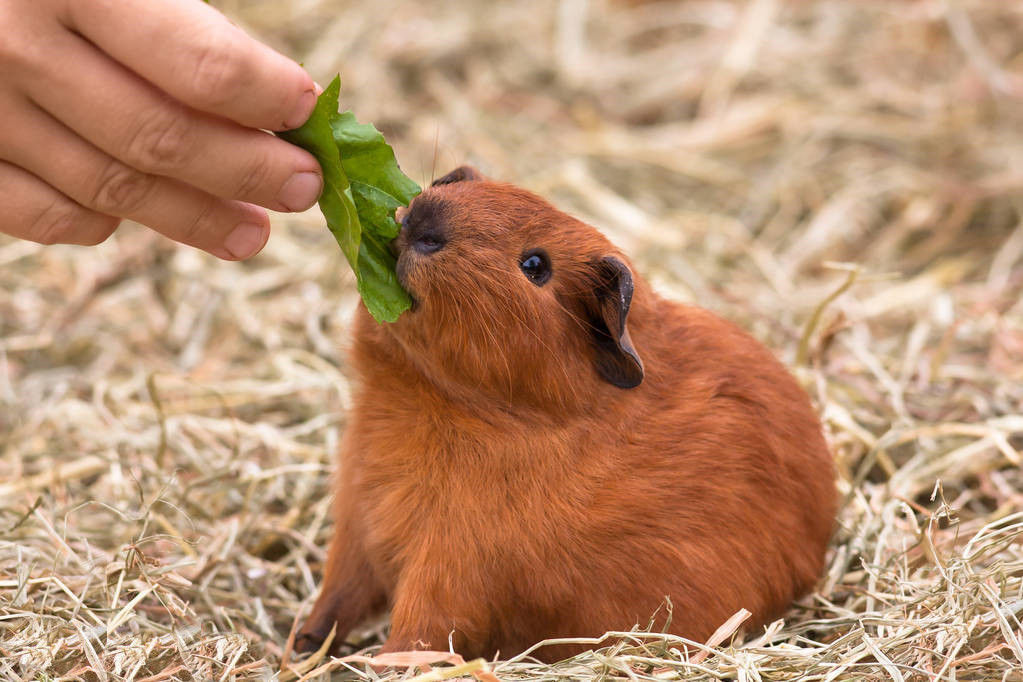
[[362, 187], [336, 200]]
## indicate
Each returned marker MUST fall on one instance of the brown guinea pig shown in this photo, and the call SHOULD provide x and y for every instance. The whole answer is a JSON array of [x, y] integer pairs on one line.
[[544, 447]]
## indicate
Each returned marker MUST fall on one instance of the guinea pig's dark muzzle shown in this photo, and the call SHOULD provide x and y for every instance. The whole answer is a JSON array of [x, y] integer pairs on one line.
[[423, 233], [423, 227]]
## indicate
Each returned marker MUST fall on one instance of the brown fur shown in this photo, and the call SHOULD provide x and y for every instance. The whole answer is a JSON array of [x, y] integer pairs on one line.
[[495, 487]]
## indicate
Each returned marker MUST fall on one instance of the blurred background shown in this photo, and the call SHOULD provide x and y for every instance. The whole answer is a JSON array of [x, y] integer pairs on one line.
[[843, 178]]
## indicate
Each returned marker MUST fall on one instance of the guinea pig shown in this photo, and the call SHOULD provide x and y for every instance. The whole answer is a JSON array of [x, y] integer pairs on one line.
[[545, 447]]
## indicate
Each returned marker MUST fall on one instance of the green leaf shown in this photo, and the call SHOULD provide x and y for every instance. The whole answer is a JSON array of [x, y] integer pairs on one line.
[[362, 187]]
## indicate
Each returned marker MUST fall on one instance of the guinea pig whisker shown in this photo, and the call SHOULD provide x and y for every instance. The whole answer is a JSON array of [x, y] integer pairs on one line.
[[484, 291], [583, 326], [436, 144], [522, 324], [496, 280], [495, 343]]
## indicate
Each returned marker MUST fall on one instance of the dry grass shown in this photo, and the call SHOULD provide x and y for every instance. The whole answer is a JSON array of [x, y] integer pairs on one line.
[[168, 422]]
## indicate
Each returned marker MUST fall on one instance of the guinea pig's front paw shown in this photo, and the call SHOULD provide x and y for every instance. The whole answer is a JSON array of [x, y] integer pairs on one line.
[[313, 634]]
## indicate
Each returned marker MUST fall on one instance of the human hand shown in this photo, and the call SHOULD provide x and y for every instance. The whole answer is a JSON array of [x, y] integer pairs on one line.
[[149, 110]]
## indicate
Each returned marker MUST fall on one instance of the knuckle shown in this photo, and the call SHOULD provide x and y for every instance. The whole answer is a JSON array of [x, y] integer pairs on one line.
[[19, 54], [11, 47], [199, 229], [219, 71], [121, 190], [57, 224], [162, 141], [253, 179]]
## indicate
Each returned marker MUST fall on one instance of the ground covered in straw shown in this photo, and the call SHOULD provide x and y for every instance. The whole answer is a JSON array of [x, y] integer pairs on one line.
[[845, 179]]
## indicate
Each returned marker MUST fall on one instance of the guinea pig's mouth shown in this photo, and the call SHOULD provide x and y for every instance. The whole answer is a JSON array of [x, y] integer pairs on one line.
[[423, 234], [401, 271]]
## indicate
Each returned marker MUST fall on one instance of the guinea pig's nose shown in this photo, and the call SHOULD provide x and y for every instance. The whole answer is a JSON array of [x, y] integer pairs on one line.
[[423, 227]]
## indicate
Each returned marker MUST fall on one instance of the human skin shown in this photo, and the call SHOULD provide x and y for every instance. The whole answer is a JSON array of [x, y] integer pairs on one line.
[[154, 111]]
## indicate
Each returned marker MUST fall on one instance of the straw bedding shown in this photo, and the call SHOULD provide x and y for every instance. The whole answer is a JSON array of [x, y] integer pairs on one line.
[[842, 178]]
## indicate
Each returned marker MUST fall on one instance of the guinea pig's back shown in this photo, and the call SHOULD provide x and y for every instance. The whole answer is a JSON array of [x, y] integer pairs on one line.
[[727, 457]]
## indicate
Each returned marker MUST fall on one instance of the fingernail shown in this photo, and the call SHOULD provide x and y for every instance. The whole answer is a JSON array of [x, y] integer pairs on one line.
[[303, 110], [301, 191], [244, 241]]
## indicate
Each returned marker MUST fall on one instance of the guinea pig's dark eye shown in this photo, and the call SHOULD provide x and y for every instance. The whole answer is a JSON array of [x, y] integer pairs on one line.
[[536, 266]]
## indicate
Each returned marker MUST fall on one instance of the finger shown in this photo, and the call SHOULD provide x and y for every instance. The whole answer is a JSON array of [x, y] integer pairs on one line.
[[132, 121], [229, 229], [37, 212], [191, 51]]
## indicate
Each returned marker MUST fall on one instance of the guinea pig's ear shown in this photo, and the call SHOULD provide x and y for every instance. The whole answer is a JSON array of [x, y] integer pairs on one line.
[[617, 360], [460, 174]]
